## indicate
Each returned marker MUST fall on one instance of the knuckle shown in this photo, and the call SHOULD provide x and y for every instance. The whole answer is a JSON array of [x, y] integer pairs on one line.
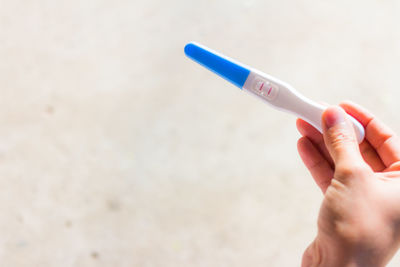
[[343, 171], [350, 170], [338, 139]]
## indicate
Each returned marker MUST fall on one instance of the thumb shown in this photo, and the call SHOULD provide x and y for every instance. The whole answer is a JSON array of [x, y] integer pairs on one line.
[[340, 138]]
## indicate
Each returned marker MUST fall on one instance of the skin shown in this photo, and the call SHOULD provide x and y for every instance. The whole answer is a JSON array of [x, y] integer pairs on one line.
[[359, 219]]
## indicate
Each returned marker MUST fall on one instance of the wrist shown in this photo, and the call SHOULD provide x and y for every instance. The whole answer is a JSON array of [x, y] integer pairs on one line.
[[324, 253]]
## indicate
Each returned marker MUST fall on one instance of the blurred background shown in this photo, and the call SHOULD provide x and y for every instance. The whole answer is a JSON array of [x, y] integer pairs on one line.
[[117, 150]]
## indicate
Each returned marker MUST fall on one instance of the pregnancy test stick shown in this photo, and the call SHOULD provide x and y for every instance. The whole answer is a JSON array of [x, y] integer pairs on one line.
[[273, 91]]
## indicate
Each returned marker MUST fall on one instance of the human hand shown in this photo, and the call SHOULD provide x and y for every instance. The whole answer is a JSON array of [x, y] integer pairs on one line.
[[359, 220]]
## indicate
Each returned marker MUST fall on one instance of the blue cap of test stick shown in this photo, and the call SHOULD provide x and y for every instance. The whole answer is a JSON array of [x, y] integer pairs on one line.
[[219, 64]]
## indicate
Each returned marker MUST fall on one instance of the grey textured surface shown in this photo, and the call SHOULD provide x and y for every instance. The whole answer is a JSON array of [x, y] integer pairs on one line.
[[116, 150]]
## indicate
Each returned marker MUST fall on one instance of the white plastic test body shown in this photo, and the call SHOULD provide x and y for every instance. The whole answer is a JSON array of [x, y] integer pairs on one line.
[[273, 91]]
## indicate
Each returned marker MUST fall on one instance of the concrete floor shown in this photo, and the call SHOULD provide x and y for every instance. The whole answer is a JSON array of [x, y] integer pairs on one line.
[[116, 150]]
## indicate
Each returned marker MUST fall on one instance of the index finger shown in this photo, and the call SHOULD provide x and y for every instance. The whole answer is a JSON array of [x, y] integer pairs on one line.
[[381, 137]]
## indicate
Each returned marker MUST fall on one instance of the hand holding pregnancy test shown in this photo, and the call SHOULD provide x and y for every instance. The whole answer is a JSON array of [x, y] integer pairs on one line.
[[275, 92]]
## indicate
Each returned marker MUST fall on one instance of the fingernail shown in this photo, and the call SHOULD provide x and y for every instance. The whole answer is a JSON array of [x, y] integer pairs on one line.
[[334, 116]]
